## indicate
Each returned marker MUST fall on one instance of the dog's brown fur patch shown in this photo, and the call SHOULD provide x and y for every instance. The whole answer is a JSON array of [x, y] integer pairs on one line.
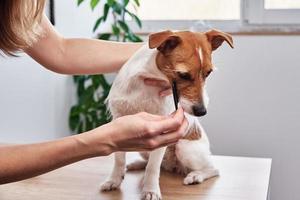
[[194, 135], [182, 49]]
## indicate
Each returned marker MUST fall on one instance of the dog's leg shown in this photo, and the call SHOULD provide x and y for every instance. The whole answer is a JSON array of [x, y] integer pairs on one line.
[[115, 179], [195, 155], [151, 190], [137, 165]]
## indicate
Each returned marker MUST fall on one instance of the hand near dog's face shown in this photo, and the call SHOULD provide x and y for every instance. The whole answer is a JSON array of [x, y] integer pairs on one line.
[[144, 131]]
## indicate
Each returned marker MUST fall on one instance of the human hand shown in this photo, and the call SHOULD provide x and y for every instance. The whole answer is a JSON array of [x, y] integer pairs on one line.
[[144, 131], [164, 85]]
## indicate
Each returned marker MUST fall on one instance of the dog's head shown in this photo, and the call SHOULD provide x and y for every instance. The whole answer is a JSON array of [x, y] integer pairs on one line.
[[185, 57]]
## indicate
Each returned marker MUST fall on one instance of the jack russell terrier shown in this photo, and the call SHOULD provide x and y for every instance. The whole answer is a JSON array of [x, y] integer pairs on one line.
[[184, 57]]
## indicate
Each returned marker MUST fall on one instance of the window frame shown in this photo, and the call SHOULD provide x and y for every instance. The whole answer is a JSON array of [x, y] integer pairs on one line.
[[257, 14], [254, 19]]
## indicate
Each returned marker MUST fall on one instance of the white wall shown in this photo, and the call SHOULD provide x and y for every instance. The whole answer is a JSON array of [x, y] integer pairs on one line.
[[254, 108], [34, 102]]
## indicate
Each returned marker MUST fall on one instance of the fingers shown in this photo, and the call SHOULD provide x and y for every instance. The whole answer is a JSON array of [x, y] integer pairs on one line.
[[173, 137], [166, 125], [168, 138], [148, 116]]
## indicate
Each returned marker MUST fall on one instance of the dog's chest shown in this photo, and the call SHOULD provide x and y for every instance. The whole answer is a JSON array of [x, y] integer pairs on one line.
[[130, 95], [140, 102]]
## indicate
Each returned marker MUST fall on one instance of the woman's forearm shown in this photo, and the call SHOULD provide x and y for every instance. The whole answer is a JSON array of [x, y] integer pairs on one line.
[[139, 132], [19, 162], [97, 56], [79, 56]]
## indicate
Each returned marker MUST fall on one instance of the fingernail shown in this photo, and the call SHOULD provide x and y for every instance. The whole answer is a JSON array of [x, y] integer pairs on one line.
[[179, 107]]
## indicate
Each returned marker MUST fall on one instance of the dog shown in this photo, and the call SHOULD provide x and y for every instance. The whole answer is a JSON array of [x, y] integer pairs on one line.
[[184, 57]]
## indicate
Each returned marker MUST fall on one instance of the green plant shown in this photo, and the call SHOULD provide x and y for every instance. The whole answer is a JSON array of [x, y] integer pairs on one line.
[[90, 110]]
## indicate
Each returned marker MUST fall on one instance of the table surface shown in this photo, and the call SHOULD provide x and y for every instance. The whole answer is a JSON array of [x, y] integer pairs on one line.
[[240, 178]]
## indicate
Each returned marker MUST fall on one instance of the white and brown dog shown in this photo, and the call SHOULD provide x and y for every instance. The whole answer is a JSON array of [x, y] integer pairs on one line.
[[184, 57]]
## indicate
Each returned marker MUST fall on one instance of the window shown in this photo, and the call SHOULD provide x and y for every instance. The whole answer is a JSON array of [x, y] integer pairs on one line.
[[282, 4], [189, 9], [240, 16], [273, 11]]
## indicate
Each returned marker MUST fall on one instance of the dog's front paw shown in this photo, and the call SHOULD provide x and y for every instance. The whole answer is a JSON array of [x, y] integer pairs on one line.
[[194, 177], [151, 196], [111, 184]]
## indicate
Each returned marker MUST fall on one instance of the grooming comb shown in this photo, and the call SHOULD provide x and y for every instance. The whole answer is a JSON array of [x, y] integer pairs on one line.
[[175, 94]]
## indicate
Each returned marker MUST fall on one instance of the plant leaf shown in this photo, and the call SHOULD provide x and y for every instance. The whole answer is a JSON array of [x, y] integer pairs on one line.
[[115, 29], [74, 117], [80, 87], [123, 25], [80, 128], [77, 78], [133, 38], [111, 2], [117, 7], [79, 2], [94, 3], [105, 11], [92, 90], [137, 2], [104, 83], [104, 36], [96, 81], [87, 96], [125, 3], [89, 123], [135, 18], [98, 22]]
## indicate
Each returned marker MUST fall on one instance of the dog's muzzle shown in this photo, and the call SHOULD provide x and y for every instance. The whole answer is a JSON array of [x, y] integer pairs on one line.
[[199, 110]]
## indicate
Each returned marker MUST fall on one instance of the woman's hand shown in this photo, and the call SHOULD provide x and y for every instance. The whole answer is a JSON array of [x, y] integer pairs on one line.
[[165, 88], [137, 132], [141, 132]]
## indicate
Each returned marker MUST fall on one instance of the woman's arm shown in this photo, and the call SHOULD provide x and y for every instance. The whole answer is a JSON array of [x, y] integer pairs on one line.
[[137, 132], [85, 56], [18, 162], [79, 56]]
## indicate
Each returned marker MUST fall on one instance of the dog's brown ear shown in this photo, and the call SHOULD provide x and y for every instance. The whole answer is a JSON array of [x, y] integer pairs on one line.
[[164, 41], [216, 38]]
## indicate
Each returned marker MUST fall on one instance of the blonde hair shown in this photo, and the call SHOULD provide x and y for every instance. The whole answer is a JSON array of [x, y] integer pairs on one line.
[[19, 24]]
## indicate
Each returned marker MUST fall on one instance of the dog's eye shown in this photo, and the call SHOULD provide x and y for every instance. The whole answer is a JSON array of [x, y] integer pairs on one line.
[[208, 73], [184, 76]]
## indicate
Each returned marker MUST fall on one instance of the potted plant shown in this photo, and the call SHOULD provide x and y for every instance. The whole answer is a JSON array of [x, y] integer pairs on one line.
[[90, 110]]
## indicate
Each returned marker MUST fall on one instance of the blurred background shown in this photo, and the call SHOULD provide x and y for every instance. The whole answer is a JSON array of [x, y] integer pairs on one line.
[[254, 95]]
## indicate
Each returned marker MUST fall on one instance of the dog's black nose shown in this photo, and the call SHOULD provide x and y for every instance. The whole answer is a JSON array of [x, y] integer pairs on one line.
[[199, 110]]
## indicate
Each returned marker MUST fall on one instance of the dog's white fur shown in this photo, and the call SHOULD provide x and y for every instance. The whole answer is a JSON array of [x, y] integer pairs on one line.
[[129, 95]]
